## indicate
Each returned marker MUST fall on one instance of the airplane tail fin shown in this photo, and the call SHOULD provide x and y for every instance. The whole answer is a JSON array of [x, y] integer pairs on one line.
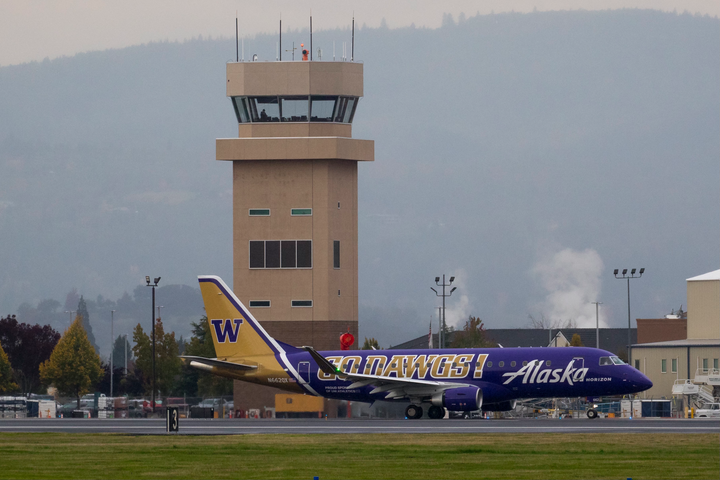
[[234, 331]]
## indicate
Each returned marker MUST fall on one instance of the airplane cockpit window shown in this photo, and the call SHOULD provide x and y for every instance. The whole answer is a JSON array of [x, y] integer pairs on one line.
[[605, 361], [617, 361]]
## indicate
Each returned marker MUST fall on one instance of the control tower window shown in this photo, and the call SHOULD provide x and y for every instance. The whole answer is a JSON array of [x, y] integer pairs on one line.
[[315, 108], [294, 109], [264, 109], [322, 108], [241, 109], [280, 254]]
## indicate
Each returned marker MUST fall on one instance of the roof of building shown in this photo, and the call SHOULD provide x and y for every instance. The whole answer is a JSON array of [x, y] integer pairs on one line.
[[706, 276], [611, 339], [690, 342]]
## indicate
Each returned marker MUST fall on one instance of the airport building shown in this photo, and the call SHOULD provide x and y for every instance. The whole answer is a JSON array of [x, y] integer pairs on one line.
[[677, 352], [295, 201]]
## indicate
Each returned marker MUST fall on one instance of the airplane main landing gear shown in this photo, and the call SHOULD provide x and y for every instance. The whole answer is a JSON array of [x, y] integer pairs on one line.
[[413, 412], [436, 412]]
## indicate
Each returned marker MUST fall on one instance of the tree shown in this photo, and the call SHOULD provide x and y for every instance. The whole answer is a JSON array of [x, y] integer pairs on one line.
[[26, 346], [370, 344], [545, 323], [74, 366], [473, 335], [82, 311], [6, 373], [576, 341], [120, 346], [167, 362]]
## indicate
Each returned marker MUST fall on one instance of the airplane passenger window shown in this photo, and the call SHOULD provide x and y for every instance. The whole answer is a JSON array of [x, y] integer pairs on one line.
[[605, 361], [525, 363], [512, 364], [501, 364], [489, 364], [548, 363]]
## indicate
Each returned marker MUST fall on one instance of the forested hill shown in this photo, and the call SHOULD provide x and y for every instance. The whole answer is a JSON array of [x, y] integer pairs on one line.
[[500, 142]]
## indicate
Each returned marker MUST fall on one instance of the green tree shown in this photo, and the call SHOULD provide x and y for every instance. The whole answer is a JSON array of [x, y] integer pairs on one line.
[[120, 347], [201, 345], [74, 366], [473, 335], [576, 341], [82, 312], [370, 344], [167, 362], [6, 374]]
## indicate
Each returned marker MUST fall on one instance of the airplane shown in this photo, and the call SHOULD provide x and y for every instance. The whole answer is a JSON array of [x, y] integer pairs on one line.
[[459, 379]]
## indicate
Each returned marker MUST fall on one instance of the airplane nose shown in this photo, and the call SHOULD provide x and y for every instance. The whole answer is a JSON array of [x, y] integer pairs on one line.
[[642, 382]]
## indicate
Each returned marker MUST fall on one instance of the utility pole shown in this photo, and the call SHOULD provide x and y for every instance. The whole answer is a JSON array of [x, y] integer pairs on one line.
[[443, 295], [112, 349], [597, 324], [154, 377]]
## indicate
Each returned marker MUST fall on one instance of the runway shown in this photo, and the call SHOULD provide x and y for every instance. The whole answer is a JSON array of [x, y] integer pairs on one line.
[[346, 426]]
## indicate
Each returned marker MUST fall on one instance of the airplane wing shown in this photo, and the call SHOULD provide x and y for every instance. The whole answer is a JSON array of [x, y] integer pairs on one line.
[[397, 387], [214, 362]]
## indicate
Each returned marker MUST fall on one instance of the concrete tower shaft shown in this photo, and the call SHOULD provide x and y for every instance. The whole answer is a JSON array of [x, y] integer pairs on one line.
[[295, 212]]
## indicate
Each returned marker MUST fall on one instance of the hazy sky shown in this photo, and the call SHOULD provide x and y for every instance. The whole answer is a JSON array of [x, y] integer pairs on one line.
[[34, 29]]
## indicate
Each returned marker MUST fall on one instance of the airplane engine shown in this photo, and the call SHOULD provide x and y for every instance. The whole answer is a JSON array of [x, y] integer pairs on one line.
[[500, 406], [464, 399]]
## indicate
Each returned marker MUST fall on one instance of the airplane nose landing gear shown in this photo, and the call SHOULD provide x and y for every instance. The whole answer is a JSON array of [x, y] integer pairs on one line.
[[413, 412]]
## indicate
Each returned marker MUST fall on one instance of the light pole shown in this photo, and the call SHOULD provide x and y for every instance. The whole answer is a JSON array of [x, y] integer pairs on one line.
[[71, 312], [126, 343], [597, 324], [112, 349], [628, 277], [155, 283], [443, 295]]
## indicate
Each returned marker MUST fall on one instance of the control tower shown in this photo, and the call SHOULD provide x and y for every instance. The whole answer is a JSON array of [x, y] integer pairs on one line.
[[295, 209]]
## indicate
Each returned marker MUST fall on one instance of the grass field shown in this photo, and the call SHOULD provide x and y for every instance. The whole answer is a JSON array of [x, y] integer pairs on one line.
[[431, 456]]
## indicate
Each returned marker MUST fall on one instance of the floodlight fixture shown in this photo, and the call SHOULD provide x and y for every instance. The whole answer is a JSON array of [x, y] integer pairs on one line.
[[441, 333], [147, 279], [627, 277]]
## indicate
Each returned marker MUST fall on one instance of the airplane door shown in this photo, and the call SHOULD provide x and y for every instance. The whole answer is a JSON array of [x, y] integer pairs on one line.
[[304, 371], [579, 362]]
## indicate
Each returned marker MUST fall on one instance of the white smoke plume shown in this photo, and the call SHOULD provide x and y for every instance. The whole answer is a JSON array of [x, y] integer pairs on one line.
[[572, 279]]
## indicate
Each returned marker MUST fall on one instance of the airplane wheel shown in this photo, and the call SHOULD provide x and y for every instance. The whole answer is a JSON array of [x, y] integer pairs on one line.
[[592, 413], [436, 412], [413, 412]]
